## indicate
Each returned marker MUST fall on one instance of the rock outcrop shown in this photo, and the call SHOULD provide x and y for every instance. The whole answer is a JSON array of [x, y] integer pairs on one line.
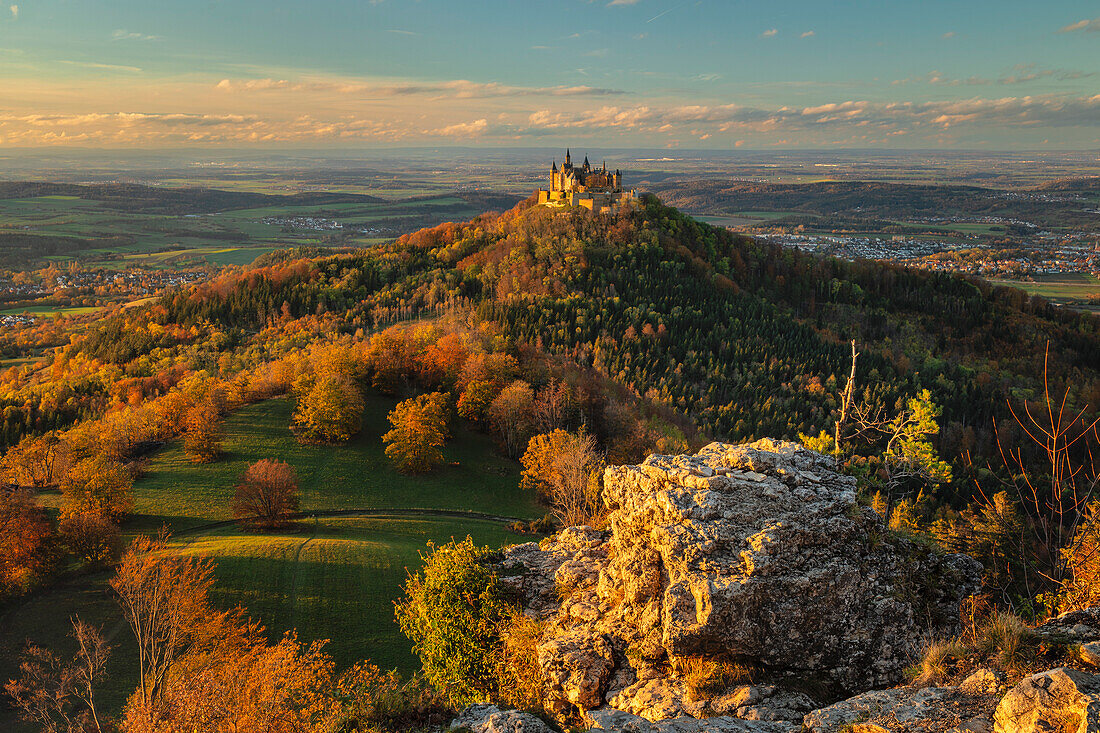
[[1061, 700], [742, 556]]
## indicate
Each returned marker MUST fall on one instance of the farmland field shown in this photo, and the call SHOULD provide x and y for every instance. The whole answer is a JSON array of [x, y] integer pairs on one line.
[[1076, 290]]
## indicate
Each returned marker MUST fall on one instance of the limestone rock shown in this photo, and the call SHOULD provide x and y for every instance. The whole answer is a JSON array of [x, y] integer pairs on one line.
[[983, 681], [1090, 653], [1075, 626], [1059, 700], [577, 666], [758, 553], [609, 719], [766, 702], [491, 719]]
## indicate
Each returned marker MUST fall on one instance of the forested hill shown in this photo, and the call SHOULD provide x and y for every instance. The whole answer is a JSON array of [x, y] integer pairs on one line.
[[747, 338]]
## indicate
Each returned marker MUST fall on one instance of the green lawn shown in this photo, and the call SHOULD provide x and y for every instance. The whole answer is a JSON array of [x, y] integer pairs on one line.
[[335, 579], [353, 476]]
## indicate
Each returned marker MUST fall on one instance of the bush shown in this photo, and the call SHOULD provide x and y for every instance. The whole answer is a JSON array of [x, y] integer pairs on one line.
[[372, 700], [453, 612], [93, 538]]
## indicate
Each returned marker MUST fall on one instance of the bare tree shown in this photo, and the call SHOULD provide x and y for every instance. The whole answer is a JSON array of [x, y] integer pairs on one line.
[[1056, 497], [574, 488], [59, 694], [845, 402], [164, 600]]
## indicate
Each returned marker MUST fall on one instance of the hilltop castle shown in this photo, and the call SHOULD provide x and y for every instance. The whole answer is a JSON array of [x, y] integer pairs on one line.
[[596, 189]]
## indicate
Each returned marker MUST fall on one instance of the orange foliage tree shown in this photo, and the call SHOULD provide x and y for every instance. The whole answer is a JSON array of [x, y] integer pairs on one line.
[[415, 444], [202, 439], [23, 530], [267, 494], [98, 485]]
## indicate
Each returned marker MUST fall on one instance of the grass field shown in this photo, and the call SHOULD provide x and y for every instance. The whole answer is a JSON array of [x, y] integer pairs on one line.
[[49, 310], [329, 578], [1075, 290]]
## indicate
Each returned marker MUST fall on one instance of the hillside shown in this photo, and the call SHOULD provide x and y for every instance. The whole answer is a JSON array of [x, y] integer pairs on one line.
[[745, 338], [644, 332]]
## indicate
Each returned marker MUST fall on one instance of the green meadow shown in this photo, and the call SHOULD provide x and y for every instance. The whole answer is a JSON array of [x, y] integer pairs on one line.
[[329, 577]]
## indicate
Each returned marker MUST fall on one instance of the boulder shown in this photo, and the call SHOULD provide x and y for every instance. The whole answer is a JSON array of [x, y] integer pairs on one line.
[[491, 719], [879, 708], [754, 554], [1059, 700]]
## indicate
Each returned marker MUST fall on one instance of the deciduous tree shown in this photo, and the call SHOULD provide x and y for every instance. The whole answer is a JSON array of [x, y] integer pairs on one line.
[[58, 694], [164, 600], [23, 530], [202, 439], [565, 469], [98, 485], [267, 494], [330, 412], [513, 414], [415, 444]]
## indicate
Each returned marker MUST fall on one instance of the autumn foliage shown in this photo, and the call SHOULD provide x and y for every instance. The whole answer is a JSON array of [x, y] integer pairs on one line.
[[415, 444], [330, 410], [267, 494], [23, 532]]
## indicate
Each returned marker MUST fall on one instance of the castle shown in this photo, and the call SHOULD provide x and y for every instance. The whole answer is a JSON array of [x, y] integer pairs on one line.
[[596, 189]]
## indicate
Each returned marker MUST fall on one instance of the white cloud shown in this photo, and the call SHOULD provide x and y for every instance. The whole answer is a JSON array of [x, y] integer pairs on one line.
[[949, 34], [1082, 25], [807, 34], [769, 33], [105, 67], [15, 11], [124, 35], [464, 129], [459, 88], [622, 2]]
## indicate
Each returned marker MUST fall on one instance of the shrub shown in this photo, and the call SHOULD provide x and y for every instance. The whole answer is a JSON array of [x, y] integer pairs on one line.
[[453, 613], [518, 664], [373, 700]]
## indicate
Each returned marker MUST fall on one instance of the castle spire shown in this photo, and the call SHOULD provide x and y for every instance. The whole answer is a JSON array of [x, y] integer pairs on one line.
[[568, 160]]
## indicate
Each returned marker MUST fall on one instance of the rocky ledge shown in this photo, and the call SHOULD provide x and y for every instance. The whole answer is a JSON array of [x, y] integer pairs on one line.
[[740, 557]]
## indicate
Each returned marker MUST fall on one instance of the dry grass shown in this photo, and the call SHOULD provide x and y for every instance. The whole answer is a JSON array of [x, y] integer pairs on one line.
[[709, 676]]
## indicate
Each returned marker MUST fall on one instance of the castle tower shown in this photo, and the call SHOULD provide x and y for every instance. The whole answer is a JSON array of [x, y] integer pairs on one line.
[[568, 160]]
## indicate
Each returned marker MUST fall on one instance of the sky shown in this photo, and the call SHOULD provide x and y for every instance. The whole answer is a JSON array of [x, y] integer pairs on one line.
[[722, 74]]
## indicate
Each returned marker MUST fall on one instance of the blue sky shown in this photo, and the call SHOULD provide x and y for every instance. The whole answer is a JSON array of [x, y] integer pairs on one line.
[[702, 73]]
